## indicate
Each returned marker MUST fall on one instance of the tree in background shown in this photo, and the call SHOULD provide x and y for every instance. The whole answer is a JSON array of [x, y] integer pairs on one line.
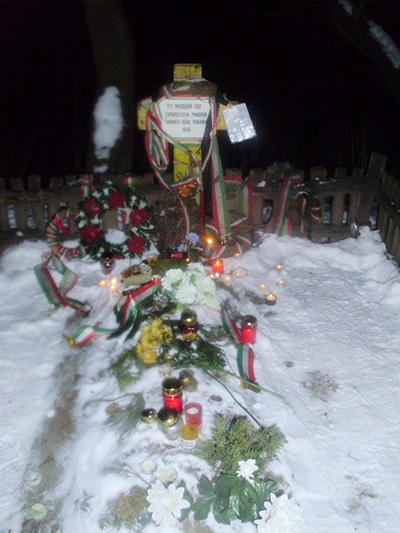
[[113, 52]]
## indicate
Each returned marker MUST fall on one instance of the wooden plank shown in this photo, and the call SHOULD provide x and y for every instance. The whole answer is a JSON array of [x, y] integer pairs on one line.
[[376, 166], [337, 209], [386, 206], [365, 208], [21, 215], [329, 232], [357, 174], [17, 184], [318, 173], [38, 216], [56, 182], [34, 183], [340, 172], [396, 243], [3, 185], [382, 222], [354, 205], [4, 223], [390, 235]]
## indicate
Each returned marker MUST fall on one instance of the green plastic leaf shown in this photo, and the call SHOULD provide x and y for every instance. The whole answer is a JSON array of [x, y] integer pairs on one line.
[[188, 497], [223, 516], [202, 506], [263, 490], [204, 486]]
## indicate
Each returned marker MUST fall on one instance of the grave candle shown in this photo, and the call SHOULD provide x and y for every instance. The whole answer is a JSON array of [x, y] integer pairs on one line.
[[107, 263], [270, 299], [249, 328], [262, 287], [188, 322], [279, 267], [218, 266], [281, 283], [193, 414], [207, 249], [172, 394]]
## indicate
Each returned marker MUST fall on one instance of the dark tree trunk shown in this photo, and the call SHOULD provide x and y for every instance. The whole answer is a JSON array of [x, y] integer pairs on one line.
[[354, 27], [113, 53]]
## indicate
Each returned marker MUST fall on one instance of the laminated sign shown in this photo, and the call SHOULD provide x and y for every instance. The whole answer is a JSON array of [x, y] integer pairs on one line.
[[238, 123]]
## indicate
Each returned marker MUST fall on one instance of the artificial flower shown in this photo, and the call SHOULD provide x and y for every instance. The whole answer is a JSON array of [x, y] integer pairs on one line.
[[90, 234], [91, 207], [282, 515], [247, 469], [192, 238], [116, 199], [166, 504], [136, 244], [139, 216]]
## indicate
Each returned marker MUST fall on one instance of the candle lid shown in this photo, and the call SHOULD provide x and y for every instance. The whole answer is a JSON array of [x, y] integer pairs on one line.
[[107, 256], [215, 399], [168, 416], [149, 415], [188, 317], [249, 321], [172, 386], [188, 381]]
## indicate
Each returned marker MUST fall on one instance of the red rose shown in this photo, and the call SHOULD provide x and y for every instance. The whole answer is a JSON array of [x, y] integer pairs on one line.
[[139, 216], [91, 207], [90, 234], [136, 244], [116, 199]]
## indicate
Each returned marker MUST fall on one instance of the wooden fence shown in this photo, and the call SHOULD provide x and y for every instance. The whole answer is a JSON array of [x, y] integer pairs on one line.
[[323, 207]]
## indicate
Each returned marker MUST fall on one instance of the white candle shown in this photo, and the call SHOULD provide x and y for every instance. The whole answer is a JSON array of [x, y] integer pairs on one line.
[[262, 287], [279, 267], [281, 283], [270, 299]]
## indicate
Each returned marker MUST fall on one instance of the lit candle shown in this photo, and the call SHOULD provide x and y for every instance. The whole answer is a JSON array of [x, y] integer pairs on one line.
[[279, 267], [249, 328], [212, 276], [270, 299], [102, 283], [218, 266], [207, 249], [193, 414], [172, 394], [238, 254], [114, 284], [281, 283], [262, 287], [188, 322], [107, 263], [227, 279]]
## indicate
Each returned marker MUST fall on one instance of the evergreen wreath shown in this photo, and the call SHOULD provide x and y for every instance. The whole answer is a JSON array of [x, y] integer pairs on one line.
[[135, 217]]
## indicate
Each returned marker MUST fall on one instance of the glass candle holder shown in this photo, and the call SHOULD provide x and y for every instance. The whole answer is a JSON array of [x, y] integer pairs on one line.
[[217, 267], [170, 422], [270, 299], [188, 322], [107, 263], [172, 394], [194, 414], [207, 248], [188, 436], [249, 328]]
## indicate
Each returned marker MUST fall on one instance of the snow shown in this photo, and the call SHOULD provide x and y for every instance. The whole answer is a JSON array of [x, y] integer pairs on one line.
[[347, 6], [330, 347], [108, 125]]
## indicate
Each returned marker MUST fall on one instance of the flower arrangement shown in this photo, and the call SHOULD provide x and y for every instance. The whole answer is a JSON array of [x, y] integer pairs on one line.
[[135, 215], [166, 503], [190, 286], [153, 335]]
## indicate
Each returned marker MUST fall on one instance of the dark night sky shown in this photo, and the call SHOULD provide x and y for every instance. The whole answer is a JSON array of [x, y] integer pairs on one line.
[[313, 98]]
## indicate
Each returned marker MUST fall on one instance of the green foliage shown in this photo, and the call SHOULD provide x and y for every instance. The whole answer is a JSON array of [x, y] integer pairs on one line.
[[125, 420], [120, 368], [231, 497], [127, 511], [164, 264], [199, 354], [237, 440]]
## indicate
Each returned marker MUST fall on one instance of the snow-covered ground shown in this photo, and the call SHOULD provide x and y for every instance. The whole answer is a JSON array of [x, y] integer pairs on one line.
[[330, 347]]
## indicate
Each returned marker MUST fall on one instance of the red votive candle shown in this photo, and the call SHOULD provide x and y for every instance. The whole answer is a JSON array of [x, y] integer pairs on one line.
[[172, 394], [218, 266], [249, 328], [193, 414]]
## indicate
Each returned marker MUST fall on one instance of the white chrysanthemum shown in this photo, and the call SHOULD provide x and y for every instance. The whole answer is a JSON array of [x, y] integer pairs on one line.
[[172, 277], [186, 293], [166, 504], [197, 267], [281, 516], [247, 469]]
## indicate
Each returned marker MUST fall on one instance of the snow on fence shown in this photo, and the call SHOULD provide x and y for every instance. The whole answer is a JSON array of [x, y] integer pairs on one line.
[[322, 207]]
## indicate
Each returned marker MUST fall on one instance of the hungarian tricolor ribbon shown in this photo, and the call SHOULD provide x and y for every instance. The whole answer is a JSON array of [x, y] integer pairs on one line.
[[245, 354], [58, 294], [126, 315]]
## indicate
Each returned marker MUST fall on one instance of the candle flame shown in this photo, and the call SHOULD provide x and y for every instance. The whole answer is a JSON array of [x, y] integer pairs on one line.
[[209, 241], [262, 287], [102, 283]]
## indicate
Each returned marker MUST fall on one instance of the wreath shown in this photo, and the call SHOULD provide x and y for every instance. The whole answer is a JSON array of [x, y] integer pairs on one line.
[[135, 218], [54, 227]]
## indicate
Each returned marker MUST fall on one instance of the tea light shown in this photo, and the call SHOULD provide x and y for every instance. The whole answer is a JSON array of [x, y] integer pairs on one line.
[[207, 249], [172, 394], [249, 328], [212, 276], [279, 267], [227, 279], [102, 283], [270, 299], [281, 283], [239, 272], [262, 287], [193, 414], [237, 255], [148, 467], [218, 266], [114, 284]]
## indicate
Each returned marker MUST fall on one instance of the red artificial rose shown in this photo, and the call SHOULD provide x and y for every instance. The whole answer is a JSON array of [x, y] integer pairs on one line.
[[116, 199], [136, 244], [90, 234], [139, 216], [91, 207]]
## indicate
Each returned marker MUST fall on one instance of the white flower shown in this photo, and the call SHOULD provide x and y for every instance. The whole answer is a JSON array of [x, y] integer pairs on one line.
[[186, 293], [281, 516], [166, 504], [172, 278], [247, 468]]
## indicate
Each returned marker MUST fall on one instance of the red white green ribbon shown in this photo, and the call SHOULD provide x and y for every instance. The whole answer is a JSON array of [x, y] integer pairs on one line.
[[53, 236], [126, 315], [245, 354], [57, 294], [279, 222]]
